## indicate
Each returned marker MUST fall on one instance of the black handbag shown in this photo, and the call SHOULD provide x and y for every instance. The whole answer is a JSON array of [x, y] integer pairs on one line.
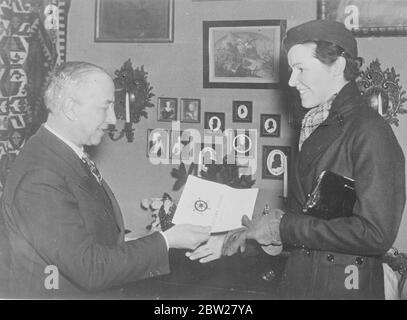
[[332, 197]]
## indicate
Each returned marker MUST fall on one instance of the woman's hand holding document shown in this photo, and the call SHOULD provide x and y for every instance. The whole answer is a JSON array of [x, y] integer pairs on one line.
[[263, 228], [207, 203]]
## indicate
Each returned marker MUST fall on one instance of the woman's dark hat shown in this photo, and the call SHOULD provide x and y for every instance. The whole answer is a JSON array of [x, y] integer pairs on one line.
[[322, 30]]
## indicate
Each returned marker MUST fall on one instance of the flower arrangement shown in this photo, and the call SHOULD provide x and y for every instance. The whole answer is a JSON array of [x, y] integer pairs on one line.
[[224, 173], [162, 209]]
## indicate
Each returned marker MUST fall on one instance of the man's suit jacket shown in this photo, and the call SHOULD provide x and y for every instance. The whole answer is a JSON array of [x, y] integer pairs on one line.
[[356, 142], [56, 214]]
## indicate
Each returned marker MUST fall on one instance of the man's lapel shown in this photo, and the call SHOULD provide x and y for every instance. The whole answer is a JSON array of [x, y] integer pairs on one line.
[[116, 210]]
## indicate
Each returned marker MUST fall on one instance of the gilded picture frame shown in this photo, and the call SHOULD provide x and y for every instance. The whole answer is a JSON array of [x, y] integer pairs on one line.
[[134, 21]]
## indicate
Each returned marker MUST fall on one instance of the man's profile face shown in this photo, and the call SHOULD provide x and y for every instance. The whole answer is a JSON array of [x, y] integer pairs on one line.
[[312, 78], [94, 109]]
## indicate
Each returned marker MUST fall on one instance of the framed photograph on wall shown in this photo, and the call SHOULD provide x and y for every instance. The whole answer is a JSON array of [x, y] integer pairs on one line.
[[180, 149], [367, 18], [270, 125], [215, 121], [242, 53], [158, 143], [242, 111], [167, 109], [190, 110], [273, 161], [134, 21], [244, 143], [209, 153]]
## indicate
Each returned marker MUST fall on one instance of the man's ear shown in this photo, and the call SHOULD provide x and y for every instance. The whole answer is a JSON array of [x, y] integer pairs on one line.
[[338, 67], [69, 109]]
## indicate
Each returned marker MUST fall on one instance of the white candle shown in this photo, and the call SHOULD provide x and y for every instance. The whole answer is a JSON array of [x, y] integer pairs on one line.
[[285, 177], [127, 108], [379, 104], [200, 164]]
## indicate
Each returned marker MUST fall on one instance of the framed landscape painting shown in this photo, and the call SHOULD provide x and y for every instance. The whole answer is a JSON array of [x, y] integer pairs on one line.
[[242, 53], [134, 21]]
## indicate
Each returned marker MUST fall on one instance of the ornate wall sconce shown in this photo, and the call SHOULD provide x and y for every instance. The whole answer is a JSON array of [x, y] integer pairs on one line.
[[382, 91], [132, 96]]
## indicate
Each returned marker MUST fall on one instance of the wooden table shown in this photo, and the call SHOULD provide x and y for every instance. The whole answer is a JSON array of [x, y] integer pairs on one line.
[[253, 275]]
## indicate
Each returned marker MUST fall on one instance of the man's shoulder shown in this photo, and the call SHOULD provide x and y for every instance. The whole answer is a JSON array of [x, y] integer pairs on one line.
[[35, 158], [34, 153]]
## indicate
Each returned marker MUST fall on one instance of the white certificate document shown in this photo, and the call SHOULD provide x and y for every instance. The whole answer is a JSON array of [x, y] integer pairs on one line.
[[207, 203]]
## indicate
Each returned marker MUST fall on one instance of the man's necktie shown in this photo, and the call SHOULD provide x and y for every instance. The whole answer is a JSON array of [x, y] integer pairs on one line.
[[92, 168]]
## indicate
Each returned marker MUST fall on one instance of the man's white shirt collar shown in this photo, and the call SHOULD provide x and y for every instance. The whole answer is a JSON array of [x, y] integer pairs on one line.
[[78, 150]]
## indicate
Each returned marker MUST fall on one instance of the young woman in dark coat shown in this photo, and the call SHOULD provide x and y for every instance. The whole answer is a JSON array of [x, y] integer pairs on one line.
[[333, 258]]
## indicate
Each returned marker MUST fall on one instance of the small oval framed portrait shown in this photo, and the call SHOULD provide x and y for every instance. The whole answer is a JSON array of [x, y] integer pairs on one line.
[[208, 154], [215, 121], [167, 109], [242, 111], [242, 143], [273, 161], [270, 125], [158, 142], [190, 110]]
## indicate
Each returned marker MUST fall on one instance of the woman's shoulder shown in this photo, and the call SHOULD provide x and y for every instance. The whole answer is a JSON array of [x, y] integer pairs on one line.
[[363, 117]]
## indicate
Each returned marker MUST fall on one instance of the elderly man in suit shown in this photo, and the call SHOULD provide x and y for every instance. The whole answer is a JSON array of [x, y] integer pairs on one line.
[[64, 225]]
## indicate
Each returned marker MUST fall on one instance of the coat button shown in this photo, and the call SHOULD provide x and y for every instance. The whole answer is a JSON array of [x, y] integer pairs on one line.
[[330, 257], [268, 275], [359, 260]]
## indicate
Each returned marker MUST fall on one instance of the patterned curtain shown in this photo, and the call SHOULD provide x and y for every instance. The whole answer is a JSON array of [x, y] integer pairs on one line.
[[32, 42]]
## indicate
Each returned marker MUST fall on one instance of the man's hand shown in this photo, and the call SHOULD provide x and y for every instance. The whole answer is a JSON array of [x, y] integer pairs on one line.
[[235, 241], [210, 250], [265, 229], [186, 236]]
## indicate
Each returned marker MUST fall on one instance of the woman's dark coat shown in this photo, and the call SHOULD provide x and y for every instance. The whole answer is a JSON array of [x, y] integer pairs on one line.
[[340, 258]]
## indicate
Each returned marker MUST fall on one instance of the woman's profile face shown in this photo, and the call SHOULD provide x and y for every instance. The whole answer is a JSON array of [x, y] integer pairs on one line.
[[312, 78]]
